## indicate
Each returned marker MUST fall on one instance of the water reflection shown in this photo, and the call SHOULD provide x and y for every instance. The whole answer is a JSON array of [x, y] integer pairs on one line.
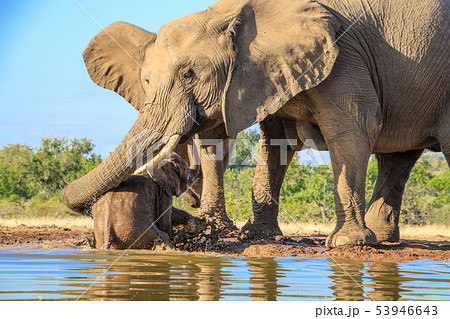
[[210, 280], [355, 280], [138, 278], [265, 273], [347, 280], [385, 281], [143, 276], [133, 280], [204, 278]]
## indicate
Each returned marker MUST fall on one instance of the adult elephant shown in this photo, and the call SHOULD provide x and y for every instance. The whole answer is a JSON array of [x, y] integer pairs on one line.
[[214, 154], [355, 78]]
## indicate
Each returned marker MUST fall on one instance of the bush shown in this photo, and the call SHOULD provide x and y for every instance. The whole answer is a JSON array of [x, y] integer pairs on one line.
[[26, 173], [307, 191], [31, 182], [42, 207], [238, 192], [10, 209]]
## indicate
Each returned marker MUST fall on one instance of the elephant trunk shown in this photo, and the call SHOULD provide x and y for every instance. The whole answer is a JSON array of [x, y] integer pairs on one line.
[[112, 171]]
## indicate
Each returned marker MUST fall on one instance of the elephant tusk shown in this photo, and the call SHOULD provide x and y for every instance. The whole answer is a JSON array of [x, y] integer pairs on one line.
[[163, 153], [194, 160]]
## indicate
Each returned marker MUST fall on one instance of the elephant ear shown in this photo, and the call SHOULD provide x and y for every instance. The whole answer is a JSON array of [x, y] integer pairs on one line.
[[171, 175], [113, 59], [281, 48]]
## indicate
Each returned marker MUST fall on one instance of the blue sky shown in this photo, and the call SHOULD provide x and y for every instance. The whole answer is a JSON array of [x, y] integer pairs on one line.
[[45, 89]]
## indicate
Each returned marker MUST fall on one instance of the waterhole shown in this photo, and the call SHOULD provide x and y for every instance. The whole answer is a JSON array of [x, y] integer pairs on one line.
[[70, 274]]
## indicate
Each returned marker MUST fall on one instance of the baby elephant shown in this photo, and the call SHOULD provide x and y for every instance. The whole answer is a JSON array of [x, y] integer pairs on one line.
[[137, 214]]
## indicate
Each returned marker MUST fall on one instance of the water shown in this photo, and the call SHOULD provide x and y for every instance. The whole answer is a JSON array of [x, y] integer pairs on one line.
[[68, 274]]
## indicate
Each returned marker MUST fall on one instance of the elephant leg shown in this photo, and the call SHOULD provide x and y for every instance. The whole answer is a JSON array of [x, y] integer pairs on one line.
[[269, 176], [180, 217], [108, 237], [349, 161], [443, 132], [157, 229], [347, 110], [192, 226], [446, 152], [212, 208], [384, 209]]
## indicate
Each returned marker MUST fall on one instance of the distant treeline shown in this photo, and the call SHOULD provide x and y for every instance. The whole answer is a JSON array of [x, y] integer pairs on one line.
[[31, 181]]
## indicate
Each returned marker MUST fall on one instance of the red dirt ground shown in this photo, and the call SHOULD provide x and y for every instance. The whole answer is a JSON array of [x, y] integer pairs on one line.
[[434, 248]]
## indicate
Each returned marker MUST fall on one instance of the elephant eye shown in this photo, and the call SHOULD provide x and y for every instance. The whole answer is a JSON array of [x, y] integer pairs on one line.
[[147, 81], [188, 74]]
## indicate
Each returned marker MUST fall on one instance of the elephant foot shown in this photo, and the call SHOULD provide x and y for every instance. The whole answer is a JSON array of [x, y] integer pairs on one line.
[[196, 235], [385, 225], [252, 230], [351, 234], [222, 224], [191, 229], [162, 242], [386, 233]]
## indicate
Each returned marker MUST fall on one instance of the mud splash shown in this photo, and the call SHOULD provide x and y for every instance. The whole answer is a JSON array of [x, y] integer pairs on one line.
[[207, 242]]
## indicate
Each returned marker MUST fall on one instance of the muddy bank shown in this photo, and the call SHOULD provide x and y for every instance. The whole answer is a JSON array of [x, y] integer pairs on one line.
[[409, 249], [306, 247], [22, 234]]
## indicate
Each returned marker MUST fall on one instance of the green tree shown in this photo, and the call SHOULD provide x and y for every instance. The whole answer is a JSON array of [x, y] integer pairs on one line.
[[371, 179], [60, 161], [245, 152], [238, 192], [25, 173], [426, 199], [307, 192], [16, 172]]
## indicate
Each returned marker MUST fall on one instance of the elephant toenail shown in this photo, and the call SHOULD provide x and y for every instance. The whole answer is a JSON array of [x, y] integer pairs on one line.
[[341, 241]]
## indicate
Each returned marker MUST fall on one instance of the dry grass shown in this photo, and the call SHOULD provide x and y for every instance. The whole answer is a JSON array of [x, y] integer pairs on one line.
[[300, 229], [406, 231], [305, 229], [432, 232], [289, 229], [40, 221], [424, 232]]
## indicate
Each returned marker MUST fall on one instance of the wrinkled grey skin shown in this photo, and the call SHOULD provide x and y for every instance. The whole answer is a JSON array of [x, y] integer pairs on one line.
[[384, 208], [381, 88], [190, 196], [138, 213], [208, 185]]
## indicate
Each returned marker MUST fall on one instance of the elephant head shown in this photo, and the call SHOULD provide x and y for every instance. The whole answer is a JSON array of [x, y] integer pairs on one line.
[[234, 63], [173, 175]]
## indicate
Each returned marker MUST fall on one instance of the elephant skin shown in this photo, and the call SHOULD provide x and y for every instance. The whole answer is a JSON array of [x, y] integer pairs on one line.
[[138, 213], [208, 186], [359, 78]]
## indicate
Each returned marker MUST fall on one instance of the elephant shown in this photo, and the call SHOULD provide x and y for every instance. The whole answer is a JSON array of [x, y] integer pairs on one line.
[[138, 213], [355, 78], [384, 207], [209, 183]]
